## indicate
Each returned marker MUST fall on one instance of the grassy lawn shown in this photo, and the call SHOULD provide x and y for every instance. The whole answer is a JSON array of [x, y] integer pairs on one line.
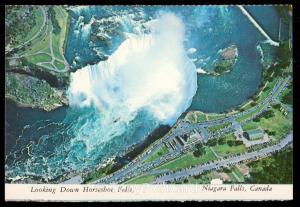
[[39, 58], [160, 152], [195, 116], [215, 116], [59, 65], [204, 178], [141, 179], [39, 18], [55, 45], [201, 117], [103, 171], [249, 126], [279, 123], [233, 177], [188, 160], [225, 149], [48, 65], [248, 115], [46, 50], [58, 39], [247, 105], [236, 173], [285, 91], [218, 127], [40, 43], [62, 18], [264, 93]]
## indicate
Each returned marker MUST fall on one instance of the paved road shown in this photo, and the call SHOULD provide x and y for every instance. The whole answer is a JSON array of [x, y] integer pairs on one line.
[[35, 36], [53, 58], [171, 176], [137, 167]]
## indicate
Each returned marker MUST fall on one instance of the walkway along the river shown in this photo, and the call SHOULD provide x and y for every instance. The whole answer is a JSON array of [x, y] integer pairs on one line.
[[180, 174], [255, 23]]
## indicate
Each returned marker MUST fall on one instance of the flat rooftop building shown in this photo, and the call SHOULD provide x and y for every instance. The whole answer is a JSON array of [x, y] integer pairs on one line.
[[254, 134]]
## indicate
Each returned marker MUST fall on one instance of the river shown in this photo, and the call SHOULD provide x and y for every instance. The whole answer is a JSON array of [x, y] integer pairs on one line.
[[49, 145]]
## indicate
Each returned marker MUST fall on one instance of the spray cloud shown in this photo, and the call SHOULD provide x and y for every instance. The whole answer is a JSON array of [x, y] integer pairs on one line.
[[149, 71]]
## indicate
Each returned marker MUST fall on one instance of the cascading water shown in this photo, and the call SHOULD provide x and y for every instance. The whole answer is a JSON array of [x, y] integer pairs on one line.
[[149, 71], [146, 82]]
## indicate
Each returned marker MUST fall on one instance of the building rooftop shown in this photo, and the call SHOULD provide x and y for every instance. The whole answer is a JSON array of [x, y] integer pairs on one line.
[[255, 133]]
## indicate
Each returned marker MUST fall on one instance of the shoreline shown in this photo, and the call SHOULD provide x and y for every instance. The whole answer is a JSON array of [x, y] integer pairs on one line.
[[13, 100], [157, 133], [132, 151], [136, 149], [67, 31], [128, 156]]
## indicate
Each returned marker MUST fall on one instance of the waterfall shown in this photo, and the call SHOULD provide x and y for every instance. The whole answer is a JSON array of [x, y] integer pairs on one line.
[[147, 71]]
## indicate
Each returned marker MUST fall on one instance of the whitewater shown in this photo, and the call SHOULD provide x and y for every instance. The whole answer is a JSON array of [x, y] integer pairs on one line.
[[147, 81], [148, 71]]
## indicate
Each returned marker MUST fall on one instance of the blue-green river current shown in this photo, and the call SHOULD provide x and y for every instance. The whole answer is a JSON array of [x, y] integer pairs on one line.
[[48, 145]]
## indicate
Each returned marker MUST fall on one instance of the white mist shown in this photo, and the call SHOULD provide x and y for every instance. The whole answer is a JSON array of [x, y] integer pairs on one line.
[[149, 71]]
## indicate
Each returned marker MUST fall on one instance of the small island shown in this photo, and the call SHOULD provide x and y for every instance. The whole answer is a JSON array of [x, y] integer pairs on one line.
[[226, 60], [217, 139]]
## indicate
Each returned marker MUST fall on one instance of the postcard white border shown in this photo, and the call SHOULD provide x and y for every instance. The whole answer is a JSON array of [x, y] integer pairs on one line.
[[145, 192]]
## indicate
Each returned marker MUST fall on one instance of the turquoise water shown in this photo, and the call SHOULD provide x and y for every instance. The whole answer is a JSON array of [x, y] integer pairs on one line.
[[209, 29], [46, 146]]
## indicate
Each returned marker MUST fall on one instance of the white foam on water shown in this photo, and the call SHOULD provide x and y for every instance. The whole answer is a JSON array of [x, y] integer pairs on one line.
[[201, 71], [191, 50], [149, 71]]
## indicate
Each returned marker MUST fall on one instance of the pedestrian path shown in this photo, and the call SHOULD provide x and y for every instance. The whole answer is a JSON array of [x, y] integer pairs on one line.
[[180, 174], [255, 23]]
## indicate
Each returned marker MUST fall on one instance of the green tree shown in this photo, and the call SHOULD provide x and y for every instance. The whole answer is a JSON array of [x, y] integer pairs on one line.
[[221, 141], [276, 106], [211, 142], [199, 145], [238, 142], [284, 55], [230, 143], [199, 152], [287, 98], [268, 114], [256, 119], [277, 169]]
